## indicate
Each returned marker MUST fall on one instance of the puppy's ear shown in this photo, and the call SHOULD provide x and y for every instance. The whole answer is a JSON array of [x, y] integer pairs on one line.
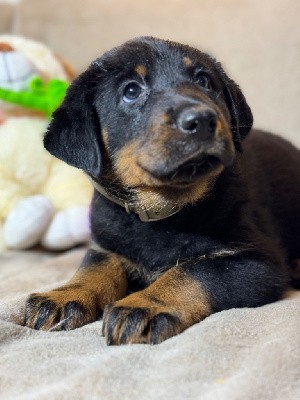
[[74, 131], [240, 113]]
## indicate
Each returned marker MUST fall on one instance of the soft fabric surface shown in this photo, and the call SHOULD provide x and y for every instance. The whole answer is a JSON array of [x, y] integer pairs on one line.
[[237, 354]]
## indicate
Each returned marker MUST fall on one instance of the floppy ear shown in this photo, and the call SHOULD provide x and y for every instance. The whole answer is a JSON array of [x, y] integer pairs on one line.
[[74, 131], [240, 113]]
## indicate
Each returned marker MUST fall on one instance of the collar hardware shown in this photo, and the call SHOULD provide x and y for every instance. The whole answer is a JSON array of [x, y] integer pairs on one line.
[[150, 215]]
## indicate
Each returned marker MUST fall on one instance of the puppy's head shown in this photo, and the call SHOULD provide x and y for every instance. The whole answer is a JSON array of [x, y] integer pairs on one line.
[[155, 117]]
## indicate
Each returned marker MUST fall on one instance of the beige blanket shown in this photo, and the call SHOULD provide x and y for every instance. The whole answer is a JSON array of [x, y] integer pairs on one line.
[[237, 354]]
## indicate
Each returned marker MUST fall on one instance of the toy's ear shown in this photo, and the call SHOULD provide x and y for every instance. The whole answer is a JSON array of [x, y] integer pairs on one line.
[[240, 113], [74, 131]]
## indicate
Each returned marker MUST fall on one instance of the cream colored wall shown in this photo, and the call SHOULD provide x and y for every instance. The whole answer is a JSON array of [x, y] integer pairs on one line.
[[258, 41]]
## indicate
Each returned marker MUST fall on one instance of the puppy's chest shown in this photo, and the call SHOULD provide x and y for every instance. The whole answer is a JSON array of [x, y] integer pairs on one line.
[[153, 246]]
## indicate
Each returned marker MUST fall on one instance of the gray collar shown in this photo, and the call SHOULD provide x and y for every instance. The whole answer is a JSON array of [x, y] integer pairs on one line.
[[154, 214]]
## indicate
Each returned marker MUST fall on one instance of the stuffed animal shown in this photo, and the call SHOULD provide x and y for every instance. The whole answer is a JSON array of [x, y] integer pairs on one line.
[[42, 200]]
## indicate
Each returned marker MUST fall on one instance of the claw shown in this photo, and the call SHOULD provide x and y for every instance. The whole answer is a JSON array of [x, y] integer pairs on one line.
[[124, 325], [55, 310]]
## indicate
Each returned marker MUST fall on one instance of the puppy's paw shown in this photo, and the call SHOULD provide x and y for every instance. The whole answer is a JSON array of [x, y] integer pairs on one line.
[[146, 321], [60, 309]]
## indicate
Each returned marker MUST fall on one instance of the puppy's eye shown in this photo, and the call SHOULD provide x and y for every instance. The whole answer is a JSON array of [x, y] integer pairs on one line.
[[203, 80], [132, 92]]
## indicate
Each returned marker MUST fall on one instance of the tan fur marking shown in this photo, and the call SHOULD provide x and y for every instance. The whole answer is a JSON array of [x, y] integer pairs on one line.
[[107, 279], [128, 170], [222, 130], [92, 287], [126, 167], [173, 291], [187, 61], [150, 192], [176, 297], [159, 197], [141, 70]]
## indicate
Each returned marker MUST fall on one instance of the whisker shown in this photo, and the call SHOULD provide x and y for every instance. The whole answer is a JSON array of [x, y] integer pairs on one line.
[[218, 95], [241, 126]]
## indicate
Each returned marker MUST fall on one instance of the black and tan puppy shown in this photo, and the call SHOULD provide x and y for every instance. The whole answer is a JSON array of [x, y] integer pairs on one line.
[[188, 217]]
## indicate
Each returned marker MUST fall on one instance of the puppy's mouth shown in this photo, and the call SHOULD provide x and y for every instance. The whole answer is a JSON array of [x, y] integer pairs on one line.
[[194, 169], [188, 172]]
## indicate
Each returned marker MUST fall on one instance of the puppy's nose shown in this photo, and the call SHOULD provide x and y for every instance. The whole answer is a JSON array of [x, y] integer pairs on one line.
[[201, 122]]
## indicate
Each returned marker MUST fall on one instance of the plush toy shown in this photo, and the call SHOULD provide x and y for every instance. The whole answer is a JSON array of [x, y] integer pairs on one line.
[[38, 95], [42, 200]]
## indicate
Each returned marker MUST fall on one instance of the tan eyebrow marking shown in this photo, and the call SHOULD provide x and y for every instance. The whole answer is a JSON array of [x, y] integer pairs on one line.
[[187, 61], [141, 70]]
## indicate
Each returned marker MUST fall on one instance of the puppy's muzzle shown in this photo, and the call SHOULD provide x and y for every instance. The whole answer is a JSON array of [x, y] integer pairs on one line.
[[186, 142]]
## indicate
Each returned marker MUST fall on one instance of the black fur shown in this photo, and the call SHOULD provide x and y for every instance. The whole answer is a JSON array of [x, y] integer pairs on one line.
[[252, 209], [76, 123]]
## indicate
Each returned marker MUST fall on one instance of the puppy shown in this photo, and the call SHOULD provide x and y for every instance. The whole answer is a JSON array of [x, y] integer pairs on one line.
[[189, 217]]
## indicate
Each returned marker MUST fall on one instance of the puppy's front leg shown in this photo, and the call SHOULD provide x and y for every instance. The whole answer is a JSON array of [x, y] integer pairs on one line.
[[189, 292], [100, 280], [175, 301]]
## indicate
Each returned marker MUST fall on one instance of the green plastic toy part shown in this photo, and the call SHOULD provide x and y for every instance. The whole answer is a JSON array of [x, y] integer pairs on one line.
[[41, 96]]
